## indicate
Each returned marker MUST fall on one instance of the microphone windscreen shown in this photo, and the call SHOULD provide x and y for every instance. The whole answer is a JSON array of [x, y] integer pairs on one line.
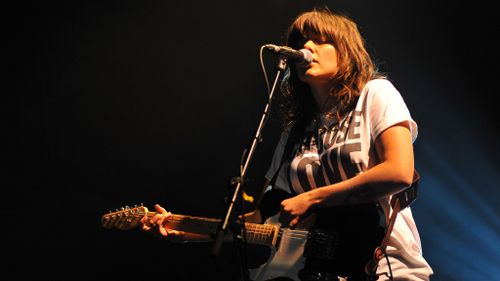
[[308, 56]]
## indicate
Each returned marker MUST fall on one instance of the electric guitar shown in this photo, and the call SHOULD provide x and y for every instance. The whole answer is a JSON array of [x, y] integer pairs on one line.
[[336, 240]]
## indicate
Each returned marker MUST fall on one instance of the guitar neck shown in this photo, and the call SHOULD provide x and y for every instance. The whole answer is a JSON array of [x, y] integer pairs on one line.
[[260, 234]]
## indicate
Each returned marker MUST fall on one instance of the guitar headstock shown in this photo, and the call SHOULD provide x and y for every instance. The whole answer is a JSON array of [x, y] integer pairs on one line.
[[125, 218]]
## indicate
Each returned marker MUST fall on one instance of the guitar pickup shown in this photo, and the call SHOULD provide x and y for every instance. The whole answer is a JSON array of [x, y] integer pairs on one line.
[[321, 244]]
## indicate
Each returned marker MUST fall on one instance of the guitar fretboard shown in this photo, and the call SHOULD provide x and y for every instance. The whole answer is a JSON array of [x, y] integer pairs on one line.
[[261, 234]]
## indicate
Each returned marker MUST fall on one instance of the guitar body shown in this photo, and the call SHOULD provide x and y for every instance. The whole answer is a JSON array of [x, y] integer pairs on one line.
[[337, 241]]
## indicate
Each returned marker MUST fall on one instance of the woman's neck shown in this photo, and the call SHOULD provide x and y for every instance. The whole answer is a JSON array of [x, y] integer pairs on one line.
[[322, 97]]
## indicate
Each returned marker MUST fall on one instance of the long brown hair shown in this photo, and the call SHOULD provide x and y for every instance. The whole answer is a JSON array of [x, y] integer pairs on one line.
[[356, 67]]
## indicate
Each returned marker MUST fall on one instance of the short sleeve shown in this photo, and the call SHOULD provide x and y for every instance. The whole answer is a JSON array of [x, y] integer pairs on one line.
[[386, 108]]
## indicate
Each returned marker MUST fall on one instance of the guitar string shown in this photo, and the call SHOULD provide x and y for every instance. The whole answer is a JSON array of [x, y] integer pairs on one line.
[[258, 230]]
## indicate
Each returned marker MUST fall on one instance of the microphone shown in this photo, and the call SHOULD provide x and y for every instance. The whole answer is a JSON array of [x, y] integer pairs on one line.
[[302, 56]]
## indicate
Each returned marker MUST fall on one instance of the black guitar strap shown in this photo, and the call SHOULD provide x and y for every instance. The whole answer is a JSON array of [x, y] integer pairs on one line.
[[296, 132], [268, 201]]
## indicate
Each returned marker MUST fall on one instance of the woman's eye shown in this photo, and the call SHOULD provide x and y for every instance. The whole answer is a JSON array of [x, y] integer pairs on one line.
[[320, 40]]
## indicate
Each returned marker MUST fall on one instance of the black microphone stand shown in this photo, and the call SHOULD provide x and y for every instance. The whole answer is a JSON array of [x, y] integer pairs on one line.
[[225, 223]]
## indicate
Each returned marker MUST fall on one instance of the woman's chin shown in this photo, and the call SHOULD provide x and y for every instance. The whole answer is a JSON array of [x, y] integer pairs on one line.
[[314, 79]]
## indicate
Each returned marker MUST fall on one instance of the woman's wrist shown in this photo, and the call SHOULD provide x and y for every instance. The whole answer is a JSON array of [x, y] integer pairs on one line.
[[315, 198]]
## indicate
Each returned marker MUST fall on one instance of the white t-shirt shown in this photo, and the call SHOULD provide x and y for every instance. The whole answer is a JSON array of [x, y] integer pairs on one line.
[[338, 151]]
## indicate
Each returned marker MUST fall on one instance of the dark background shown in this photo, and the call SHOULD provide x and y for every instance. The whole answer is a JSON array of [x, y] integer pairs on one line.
[[127, 102]]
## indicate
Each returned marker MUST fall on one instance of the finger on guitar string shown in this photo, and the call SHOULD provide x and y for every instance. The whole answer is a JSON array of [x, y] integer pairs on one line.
[[293, 223]]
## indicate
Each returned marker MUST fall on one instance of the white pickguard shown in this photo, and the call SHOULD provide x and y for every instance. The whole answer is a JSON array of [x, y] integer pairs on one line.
[[287, 259]]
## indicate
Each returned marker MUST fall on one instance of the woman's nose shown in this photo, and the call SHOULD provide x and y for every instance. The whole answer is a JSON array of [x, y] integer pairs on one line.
[[309, 45]]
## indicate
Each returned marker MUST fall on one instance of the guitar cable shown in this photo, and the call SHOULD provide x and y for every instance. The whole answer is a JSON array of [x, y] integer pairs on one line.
[[388, 274], [389, 266], [242, 249], [373, 276]]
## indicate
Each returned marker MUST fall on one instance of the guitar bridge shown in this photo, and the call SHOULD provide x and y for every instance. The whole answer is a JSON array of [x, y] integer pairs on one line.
[[321, 244]]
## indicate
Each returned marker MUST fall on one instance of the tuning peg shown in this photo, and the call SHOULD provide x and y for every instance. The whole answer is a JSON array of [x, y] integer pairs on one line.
[[127, 207]]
